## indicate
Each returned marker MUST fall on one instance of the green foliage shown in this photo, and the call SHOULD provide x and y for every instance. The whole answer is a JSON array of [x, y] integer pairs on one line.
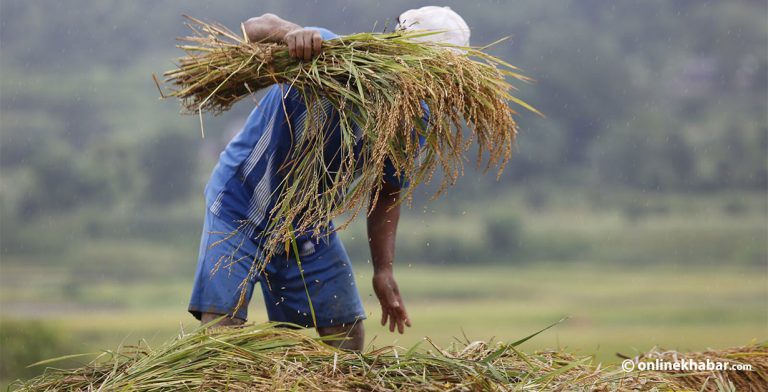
[[650, 154], [170, 167], [23, 343], [504, 234], [61, 179]]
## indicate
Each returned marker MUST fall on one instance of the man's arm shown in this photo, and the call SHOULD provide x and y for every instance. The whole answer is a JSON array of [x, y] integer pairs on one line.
[[302, 43], [382, 227]]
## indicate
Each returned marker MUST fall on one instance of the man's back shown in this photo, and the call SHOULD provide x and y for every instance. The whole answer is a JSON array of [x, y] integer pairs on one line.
[[245, 182]]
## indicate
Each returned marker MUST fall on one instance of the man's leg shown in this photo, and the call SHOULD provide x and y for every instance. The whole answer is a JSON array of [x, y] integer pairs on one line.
[[224, 262], [353, 335], [206, 318], [329, 280]]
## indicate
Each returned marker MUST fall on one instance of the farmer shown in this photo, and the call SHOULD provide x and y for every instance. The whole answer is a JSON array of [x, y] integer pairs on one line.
[[241, 189]]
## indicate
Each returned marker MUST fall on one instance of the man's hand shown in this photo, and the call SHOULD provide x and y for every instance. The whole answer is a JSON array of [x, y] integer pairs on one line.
[[392, 307], [382, 228], [304, 43]]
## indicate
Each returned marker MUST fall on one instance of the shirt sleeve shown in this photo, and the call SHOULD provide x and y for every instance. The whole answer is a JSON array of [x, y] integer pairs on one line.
[[391, 176]]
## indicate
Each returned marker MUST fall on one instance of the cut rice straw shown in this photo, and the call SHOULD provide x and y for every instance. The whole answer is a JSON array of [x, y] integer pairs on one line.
[[269, 357]]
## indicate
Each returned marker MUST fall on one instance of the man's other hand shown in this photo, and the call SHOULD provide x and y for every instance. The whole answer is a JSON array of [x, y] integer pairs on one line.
[[303, 43], [392, 307]]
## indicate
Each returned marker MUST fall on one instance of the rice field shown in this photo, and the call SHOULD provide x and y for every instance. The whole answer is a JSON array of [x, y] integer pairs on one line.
[[681, 280], [611, 309]]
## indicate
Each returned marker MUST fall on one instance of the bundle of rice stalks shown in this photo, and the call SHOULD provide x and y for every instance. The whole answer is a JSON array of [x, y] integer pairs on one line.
[[376, 82], [266, 357]]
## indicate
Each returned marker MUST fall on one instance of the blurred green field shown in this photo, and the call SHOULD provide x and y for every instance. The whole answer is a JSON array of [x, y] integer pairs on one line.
[[611, 309], [680, 272]]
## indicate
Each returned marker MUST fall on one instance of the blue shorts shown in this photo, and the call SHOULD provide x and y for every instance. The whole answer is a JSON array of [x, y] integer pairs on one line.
[[327, 272]]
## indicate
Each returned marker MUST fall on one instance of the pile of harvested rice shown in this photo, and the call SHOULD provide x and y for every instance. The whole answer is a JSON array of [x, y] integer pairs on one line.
[[266, 357], [377, 82]]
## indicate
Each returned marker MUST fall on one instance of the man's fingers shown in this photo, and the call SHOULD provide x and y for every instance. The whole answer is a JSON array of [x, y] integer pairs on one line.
[[400, 326], [403, 319], [301, 47], [392, 308], [397, 318], [317, 43], [307, 46], [404, 316], [304, 44]]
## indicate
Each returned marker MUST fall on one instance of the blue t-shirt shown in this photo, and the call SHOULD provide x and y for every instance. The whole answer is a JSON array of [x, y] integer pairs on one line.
[[244, 184]]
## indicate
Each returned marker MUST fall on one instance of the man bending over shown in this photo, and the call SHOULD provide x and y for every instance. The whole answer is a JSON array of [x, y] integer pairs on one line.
[[242, 189]]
